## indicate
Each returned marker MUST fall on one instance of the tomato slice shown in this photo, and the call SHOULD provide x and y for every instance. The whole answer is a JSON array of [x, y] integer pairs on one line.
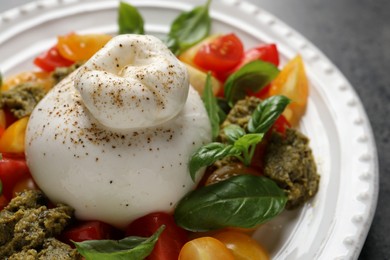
[[77, 47], [205, 248], [51, 59], [12, 171], [88, 230], [221, 54], [242, 246], [171, 239], [12, 140], [228, 171], [264, 52], [292, 82]]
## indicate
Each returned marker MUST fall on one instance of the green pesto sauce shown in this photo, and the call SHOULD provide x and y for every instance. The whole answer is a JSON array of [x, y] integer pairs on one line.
[[28, 228]]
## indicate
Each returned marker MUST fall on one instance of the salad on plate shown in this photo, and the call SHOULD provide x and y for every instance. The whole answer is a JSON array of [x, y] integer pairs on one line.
[[131, 146]]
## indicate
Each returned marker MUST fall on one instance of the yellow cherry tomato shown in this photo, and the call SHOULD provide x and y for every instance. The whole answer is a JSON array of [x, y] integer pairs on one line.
[[242, 246], [12, 140], [205, 248], [40, 77], [77, 47], [292, 82]]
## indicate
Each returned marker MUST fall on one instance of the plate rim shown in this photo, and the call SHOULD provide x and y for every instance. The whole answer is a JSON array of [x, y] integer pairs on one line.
[[275, 25]]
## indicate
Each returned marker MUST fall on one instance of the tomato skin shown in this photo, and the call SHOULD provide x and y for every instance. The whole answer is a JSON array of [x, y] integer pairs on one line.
[[228, 171], [292, 82], [24, 184], [171, 239], [264, 52], [77, 47], [88, 230], [51, 59], [3, 202], [12, 170], [205, 248], [221, 54], [12, 140], [242, 245]]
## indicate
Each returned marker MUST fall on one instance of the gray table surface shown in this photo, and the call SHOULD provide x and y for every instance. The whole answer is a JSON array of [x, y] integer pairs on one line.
[[355, 35]]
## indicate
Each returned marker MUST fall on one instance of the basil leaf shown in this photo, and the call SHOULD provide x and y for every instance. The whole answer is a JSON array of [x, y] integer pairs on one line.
[[135, 248], [242, 201], [129, 19], [208, 154], [266, 113], [252, 76], [211, 105], [244, 142], [189, 28], [233, 132]]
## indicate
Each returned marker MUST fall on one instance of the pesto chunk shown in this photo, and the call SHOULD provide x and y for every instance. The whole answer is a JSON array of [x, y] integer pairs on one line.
[[289, 162], [26, 224], [22, 98], [62, 72]]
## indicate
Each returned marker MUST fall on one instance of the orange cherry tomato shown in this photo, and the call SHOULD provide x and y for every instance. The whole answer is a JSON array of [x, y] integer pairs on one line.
[[24, 184], [12, 140], [205, 248], [77, 47], [40, 77], [292, 82], [242, 245]]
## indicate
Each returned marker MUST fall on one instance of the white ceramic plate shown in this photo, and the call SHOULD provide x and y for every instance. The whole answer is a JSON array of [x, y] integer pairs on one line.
[[335, 223]]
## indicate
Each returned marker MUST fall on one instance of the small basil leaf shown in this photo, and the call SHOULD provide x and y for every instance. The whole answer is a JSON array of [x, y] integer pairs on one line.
[[135, 248], [189, 28], [129, 19], [208, 154], [211, 105], [253, 76], [244, 142], [233, 132], [266, 113], [242, 201]]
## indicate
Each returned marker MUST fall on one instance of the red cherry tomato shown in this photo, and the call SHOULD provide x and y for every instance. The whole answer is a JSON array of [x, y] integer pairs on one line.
[[3, 202], [89, 230], [171, 239], [24, 184], [12, 170], [51, 59], [221, 54], [265, 52], [281, 124]]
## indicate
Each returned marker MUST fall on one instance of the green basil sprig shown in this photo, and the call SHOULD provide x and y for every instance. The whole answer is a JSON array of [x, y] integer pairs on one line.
[[129, 19], [241, 144], [266, 113], [208, 154], [252, 76], [189, 28], [242, 201], [136, 248]]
